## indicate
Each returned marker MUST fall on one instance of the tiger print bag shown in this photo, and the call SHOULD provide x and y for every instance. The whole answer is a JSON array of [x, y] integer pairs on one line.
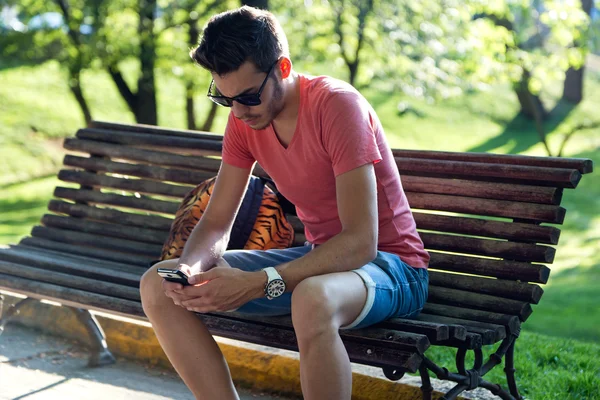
[[259, 225]]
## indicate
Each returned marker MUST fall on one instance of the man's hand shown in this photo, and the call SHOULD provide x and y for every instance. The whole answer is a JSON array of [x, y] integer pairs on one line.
[[222, 289]]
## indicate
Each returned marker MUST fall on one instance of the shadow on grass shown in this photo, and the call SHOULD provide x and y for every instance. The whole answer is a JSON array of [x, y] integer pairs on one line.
[[521, 131]]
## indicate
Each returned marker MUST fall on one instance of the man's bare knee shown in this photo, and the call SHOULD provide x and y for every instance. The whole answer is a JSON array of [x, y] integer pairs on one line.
[[313, 310], [151, 291]]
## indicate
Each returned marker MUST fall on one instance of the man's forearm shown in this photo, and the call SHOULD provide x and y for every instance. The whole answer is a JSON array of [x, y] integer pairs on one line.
[[344, 252], [205, 245]]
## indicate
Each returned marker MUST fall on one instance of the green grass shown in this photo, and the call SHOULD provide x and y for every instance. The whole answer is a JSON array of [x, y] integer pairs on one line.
[[558, 356]]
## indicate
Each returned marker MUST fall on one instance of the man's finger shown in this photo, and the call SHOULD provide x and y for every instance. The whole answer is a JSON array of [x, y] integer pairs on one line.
[[204, 276]]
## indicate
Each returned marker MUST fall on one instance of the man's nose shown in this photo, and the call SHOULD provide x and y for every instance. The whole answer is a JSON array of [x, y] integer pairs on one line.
[[239, 110]]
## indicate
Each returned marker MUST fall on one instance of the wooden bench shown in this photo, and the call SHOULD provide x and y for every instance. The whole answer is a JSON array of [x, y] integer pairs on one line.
[[486, 220]]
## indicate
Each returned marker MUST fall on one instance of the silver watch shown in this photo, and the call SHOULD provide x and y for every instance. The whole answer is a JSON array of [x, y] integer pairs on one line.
[[275, 285]]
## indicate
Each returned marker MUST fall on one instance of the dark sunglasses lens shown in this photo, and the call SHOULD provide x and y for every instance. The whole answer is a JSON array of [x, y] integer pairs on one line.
[[249, 100]]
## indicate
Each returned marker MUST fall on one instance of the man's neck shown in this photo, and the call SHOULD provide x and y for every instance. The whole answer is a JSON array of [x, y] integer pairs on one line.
[[291, 89]]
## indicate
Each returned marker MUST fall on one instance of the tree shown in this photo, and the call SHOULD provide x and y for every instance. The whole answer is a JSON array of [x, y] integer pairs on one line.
[[142, 102], [573, 86]]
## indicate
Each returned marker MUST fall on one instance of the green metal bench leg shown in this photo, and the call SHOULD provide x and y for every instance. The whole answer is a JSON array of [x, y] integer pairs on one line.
[[100, 354], [509, 369], [11, 311]]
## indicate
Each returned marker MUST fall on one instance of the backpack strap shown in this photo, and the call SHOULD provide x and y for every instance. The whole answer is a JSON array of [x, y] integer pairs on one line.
[[246, 216]]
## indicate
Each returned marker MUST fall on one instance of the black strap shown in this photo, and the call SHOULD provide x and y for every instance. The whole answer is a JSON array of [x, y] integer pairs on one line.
[[246, 217]]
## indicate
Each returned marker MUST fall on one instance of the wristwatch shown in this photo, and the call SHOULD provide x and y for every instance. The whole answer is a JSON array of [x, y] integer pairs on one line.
[[275, 285]]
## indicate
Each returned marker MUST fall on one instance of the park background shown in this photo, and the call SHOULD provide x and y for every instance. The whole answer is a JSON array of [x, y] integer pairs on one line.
[[505, 76]]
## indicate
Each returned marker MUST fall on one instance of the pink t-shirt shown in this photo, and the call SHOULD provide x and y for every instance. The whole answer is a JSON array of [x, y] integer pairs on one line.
[[337, 131]]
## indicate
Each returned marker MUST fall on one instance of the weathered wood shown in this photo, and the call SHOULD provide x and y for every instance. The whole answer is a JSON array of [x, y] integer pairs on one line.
[[132, 185], [369, 354], [374, 336], [151, 129], [72, 297], [514, 231], [490, 333], [161, 158], [105, 214], [178, 175], [69, 280], [484, 190], [485, 207], [435, 332], [502, 269], [478, 301], [537, 176], [129, 138], [581, 164], [113, 199], [496, 287], [512, 322], [105, 229], [100, 254], [76, 266], [489, 248], [86, 239], [471, 342]]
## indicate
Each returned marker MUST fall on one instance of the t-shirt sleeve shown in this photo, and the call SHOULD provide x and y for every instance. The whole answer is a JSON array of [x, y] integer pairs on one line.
[[349, 133], [235, 146]]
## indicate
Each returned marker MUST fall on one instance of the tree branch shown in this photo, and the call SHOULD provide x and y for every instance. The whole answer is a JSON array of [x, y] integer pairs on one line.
[[122, 86], [65, 9], [338, 29], [577, 128]]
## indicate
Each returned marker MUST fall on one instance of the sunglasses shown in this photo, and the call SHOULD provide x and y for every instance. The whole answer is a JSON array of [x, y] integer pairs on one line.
[[251, 99]]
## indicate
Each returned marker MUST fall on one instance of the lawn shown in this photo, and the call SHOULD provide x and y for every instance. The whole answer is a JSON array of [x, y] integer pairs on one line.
[[558, 355]]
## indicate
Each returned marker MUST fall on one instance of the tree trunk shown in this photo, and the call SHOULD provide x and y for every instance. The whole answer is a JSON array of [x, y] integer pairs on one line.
[[531, 105], [263, 4], [573, 86], [75, 86], [145, 107], [189, 106], [210, 119]]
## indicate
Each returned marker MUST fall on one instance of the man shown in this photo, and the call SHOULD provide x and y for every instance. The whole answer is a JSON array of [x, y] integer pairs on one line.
[[324, 147]]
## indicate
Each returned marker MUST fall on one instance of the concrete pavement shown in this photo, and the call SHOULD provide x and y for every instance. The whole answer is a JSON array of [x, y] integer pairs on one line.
[[37, 366]]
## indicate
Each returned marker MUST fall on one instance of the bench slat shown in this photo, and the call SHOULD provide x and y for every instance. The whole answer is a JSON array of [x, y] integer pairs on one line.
[[126, 137], [155, 130], [582, 165], [132, 185], [100, 254], [502, 269], [105, 229], [488, 248], [435, 332], [530, 175], [178, 175], [106, 214], [491, 208], [72, 297], [161, 158], [516, 231], [512, 322], [69, 280], [375, 354], [484, 190], [497, 287], [113, 199], [86, 239], [74, 265], [490, 333], [397, 340], [460, 298]]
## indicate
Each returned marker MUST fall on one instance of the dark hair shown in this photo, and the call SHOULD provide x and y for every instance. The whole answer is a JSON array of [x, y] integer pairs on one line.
[[233, 37]]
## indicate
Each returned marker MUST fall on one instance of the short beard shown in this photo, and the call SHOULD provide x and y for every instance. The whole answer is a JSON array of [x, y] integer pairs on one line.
[[275, 105]]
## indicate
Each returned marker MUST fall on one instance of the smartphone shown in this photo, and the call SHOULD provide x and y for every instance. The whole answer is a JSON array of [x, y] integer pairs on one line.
[[173, 275]]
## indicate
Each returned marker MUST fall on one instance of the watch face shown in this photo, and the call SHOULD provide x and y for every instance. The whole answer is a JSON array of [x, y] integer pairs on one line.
[[276, 288]]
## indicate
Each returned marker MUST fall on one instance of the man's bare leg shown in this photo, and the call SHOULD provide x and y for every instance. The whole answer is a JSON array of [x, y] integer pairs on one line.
[[186, 341], [320, 305]]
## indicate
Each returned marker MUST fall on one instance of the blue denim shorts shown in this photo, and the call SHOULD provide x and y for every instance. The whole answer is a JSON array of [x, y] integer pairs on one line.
[[394, 288]]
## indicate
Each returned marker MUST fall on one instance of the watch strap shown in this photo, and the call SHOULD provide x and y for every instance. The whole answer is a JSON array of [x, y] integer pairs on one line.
[[272, 274]]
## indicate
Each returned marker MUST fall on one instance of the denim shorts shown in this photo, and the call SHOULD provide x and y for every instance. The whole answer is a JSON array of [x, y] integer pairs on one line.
[[394, 288]]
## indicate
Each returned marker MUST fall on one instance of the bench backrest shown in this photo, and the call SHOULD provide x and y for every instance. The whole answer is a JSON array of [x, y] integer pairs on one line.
[[486, 219]]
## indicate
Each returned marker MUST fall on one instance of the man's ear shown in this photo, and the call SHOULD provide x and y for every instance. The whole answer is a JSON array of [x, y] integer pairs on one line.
[[285, 66]]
